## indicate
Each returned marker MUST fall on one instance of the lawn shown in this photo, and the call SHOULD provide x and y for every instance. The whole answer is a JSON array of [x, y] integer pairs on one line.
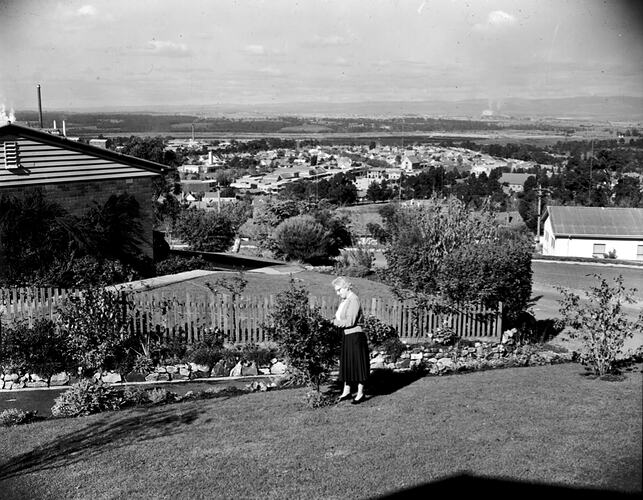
[[318, 284], [549, 425]]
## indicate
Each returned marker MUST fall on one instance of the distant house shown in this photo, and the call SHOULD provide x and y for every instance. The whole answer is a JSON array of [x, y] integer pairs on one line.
[[75, 175], [344, 162], [513, 183], [593, 232], [411, 162], [98, 143]]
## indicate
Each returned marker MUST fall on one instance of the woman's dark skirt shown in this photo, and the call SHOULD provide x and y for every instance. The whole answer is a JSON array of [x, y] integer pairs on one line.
[[354, 362]]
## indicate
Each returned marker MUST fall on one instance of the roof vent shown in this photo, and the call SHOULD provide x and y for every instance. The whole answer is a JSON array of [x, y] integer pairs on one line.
[[11, 159]]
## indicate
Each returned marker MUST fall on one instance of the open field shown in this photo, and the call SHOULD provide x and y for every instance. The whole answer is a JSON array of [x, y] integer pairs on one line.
[[510, 428]]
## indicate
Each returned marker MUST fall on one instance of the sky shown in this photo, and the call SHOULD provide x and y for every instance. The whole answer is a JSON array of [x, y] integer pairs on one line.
[[122, 53]]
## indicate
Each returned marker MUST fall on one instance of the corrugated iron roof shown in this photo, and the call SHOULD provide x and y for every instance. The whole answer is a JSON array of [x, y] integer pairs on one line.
[[15, 132], [512, 178], [596, 221]]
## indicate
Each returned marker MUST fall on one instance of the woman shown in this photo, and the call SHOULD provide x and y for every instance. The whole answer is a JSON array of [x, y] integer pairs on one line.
[[354, 363]]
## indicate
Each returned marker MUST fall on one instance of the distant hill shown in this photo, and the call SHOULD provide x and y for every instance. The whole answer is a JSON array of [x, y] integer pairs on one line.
[[596, 108], [577, 108]]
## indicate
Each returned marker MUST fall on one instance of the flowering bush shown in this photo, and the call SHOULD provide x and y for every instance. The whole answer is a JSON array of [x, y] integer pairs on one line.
[[600, 322]]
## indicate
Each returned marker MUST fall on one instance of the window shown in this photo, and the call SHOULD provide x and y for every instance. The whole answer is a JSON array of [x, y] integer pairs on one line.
[[639, 252], [599, 250], [11, 159]]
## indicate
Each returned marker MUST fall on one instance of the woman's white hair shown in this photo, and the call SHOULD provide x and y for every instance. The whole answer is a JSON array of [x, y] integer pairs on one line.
[[342, 282]]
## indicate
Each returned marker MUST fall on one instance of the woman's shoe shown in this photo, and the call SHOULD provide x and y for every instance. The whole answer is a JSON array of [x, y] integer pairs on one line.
[[344, 398], [357, 401]]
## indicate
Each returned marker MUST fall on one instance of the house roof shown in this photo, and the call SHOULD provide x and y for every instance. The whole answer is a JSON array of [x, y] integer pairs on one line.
[[625, 223], [14, 132], [507, 178]]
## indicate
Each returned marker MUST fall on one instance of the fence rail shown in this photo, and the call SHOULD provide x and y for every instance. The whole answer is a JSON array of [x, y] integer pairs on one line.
[[190, 316]]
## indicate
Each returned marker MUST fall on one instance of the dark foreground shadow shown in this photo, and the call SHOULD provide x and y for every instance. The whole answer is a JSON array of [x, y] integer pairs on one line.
[[382, 382], [111, 432], [533, 330], [459, 485]]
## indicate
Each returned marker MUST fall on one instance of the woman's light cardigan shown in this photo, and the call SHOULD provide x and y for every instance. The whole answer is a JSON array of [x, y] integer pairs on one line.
[[349, 314]]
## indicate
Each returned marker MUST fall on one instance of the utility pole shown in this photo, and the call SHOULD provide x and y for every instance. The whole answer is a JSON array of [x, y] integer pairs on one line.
[[540, 191], [589, 189]]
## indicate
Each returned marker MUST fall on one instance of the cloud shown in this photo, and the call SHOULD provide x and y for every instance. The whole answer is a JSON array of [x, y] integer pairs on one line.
[[500, 18], [270, 71], [87, 11], [168, 49], [496, 19], [327, 41], [340, 61], [256, 50]]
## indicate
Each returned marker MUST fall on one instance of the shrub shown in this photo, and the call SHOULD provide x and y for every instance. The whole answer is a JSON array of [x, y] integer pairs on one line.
[[354, 262], [377, 332], [444, 335], [85, 398], [171, 351], [301, 238], [177, 264], [254, 353], [208, 350], [160, 395], [205, 356], [442, 250], [600, 322], [38, 349], [134, 395], [383, 337], [309, 341], [15, 416], [316, 399], [206, 231], [488, 273], [94, 326], [143, 364], [393, 347]]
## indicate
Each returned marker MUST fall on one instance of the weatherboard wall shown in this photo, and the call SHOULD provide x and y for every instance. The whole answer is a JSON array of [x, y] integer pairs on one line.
[[76, 179], [585, 245], [40, 163]]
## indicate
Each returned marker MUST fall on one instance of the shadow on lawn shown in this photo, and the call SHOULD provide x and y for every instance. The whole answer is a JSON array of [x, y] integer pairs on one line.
[[113, 431], [382, 382], [465, 484]]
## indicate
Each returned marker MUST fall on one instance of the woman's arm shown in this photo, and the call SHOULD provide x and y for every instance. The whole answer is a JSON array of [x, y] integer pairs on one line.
[[351, 312]]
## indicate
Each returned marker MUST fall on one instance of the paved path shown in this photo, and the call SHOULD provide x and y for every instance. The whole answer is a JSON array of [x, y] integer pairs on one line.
[[159, 281]]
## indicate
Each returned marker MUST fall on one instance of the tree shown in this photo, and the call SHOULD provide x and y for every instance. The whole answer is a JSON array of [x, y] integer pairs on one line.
[[205, 231], [422, 236], [600, 322], [627, 192], [341, 189], [442, 251]]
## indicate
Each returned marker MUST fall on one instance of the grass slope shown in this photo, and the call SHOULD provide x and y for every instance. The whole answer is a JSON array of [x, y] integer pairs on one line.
[[317, 284], [550, 425]]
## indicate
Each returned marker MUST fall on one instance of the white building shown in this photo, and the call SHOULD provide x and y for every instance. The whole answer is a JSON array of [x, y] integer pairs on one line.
[[593, 232]]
